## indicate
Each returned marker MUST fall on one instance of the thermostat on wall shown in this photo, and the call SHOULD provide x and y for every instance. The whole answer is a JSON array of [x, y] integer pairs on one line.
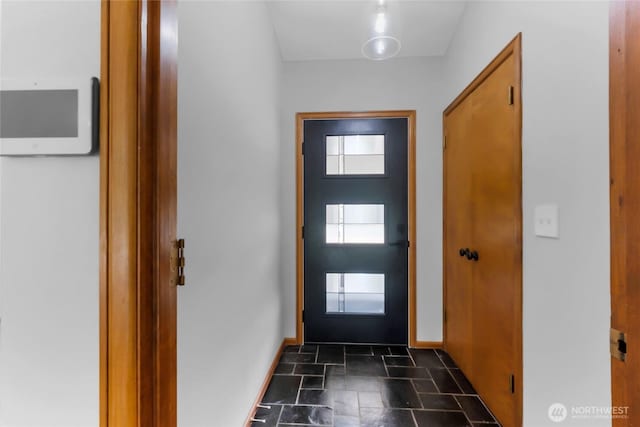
[[49, 117]]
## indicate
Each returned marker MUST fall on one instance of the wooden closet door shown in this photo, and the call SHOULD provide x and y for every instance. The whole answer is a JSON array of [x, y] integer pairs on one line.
[[483, 212], [457, 236], [495, 194]]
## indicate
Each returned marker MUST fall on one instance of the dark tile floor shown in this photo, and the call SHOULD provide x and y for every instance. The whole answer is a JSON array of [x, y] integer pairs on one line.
[[370, 386]]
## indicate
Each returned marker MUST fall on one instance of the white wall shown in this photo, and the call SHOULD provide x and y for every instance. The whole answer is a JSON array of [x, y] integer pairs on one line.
[[565, 161], [49, 235], [399, 84], [228, 190]]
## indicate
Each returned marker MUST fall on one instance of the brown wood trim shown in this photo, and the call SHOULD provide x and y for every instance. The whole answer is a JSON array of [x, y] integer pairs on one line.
[[444, 228], [618, 172], [413, 292], [265, 384], [618, 180], [146, 209], [290, 341], [120, 159], [299, 222], [158, 133], [104, 207], [624, 151], [517, 309], [428, 345], [300, 118], [444, 235], [337, 115], [137, 214], [513, 48]]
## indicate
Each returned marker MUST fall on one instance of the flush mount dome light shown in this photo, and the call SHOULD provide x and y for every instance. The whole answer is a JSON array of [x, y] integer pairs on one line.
[[381, 47]]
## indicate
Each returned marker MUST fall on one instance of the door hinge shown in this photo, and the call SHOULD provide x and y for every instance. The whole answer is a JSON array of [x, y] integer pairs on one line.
[[444, 316], [303, 316], [303, 231], [181, 262], [511, 95], [512, 383], [303, 148], [177, 263], [444, 143], [618, 344]]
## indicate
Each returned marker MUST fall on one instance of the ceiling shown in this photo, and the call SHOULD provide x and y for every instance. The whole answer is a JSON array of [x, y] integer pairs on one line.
[[336, 29]]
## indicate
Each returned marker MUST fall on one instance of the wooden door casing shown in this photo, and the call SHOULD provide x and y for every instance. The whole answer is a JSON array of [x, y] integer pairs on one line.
[[483, 307], [411, 116], [138, 156], [624, 96]]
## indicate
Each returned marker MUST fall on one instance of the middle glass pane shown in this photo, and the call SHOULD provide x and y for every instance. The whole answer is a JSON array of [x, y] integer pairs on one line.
[[362, 224]]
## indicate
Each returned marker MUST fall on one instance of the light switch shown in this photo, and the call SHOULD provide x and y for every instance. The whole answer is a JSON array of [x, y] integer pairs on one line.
[[546, 221]]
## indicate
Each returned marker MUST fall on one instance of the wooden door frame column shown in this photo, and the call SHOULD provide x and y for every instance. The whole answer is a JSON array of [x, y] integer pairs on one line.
[[624, 152], [137, 213], [410, 115]]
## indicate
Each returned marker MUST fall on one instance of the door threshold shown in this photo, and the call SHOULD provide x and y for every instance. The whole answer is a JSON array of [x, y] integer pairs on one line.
[[356, 343]]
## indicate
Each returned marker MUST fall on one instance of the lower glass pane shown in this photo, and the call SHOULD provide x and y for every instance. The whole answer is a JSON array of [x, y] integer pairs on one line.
[[359, 293]]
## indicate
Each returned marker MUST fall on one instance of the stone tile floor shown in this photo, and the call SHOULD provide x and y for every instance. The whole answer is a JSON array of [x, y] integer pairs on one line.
[[369, 386]]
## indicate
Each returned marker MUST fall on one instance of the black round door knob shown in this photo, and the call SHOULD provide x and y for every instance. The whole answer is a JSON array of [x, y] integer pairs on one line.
[[463, 252], [474, 256], [469, 256]]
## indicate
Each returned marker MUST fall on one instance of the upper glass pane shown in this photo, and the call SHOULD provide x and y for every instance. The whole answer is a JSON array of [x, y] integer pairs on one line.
[[355, 224], [355, 155]]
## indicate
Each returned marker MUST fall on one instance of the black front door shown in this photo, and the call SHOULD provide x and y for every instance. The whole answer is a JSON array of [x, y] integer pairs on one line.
[[355, 230]]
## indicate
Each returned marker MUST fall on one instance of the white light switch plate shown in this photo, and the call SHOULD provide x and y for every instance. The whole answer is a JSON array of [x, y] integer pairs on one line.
[[546, 221]]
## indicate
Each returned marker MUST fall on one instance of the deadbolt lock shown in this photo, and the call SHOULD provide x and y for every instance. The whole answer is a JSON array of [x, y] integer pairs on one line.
[[618, 344]]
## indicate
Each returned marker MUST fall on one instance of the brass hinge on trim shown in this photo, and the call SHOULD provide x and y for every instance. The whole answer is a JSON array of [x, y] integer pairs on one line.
[[180, 262], [511, 89], [512, 383], [444, 143], [618, 344]]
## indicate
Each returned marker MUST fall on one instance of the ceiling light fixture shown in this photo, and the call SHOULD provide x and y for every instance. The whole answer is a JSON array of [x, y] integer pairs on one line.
[[381, 46]]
